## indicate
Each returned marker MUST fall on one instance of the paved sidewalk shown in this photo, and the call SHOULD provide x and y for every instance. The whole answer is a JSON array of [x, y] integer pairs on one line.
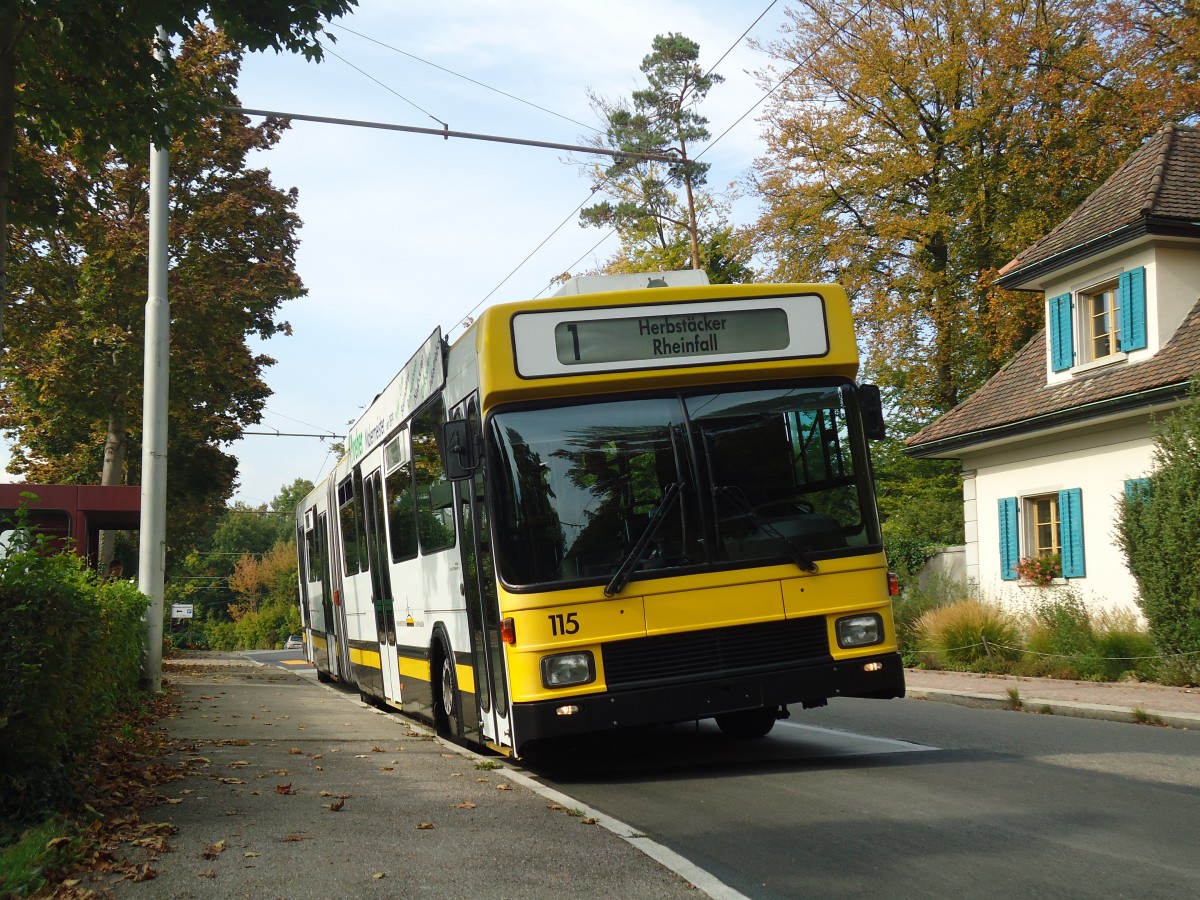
[[1117, 702], [298, 790]]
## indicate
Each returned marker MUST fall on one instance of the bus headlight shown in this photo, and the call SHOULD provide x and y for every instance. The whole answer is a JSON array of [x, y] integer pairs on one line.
[[859, 631], [567, 669]]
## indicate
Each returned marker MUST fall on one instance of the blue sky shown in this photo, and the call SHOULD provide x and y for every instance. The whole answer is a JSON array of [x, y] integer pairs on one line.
[[403, 233]]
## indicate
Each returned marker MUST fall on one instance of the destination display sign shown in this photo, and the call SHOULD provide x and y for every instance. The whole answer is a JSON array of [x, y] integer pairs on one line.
[[560, 342]]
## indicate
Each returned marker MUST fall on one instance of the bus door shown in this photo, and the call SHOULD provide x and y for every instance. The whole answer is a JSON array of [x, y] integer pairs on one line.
[[374, 513], [335, 590], [483, 611], [329, 611]]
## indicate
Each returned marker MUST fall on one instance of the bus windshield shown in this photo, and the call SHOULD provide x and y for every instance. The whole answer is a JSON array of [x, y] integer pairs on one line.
[[679, 482]]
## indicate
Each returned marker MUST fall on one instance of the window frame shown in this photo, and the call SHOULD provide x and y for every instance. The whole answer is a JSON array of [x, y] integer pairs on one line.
[[1017, 535], [1070, 320]]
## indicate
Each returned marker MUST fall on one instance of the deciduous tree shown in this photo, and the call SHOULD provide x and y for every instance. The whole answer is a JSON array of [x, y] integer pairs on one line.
[[74, 370], [914, 147], [80, 72]]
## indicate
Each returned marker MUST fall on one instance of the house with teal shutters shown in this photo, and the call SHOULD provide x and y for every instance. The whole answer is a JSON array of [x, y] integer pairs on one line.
[[1051, 443]]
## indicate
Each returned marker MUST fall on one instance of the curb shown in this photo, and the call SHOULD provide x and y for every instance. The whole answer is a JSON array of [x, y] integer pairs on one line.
[[1128, 715]]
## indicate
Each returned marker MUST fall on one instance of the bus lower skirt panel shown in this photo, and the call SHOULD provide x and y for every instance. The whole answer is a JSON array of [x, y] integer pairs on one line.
[[809, 685]]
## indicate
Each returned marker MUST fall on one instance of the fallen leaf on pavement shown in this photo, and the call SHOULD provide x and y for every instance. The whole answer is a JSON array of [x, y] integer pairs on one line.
[[425, 826]]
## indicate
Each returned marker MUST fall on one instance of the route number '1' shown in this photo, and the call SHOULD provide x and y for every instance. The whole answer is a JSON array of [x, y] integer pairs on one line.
[[560, 624]]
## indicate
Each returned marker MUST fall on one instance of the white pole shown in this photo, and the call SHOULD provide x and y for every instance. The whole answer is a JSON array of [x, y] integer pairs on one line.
[[152, 545]]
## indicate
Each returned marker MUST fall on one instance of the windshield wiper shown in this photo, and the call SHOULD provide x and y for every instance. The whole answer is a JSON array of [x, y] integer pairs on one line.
[[794, 553], [625, 572]]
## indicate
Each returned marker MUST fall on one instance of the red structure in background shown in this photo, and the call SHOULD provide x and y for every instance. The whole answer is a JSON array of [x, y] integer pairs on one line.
[[75, 511]]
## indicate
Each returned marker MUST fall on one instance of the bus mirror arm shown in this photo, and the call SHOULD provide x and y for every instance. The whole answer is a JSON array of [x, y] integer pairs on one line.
[[461, 458]]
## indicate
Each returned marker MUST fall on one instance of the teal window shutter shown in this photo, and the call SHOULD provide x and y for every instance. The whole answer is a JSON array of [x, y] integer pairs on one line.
[[1137, 488], [1009, 545], [1131, 295], [1070, 518], [1062, 334]]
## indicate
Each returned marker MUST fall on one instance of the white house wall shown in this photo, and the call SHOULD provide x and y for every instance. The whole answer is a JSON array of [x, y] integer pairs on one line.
[[1096, 460], [1177, 288]]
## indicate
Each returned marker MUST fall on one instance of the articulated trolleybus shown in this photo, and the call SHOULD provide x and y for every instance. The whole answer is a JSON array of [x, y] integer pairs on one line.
[[645, 500]]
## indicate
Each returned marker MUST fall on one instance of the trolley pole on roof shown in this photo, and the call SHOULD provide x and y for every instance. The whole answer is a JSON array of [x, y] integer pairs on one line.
[[152, 543]]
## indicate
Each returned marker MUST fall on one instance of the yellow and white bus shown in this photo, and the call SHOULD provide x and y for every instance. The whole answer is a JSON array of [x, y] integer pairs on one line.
[[645, 500]]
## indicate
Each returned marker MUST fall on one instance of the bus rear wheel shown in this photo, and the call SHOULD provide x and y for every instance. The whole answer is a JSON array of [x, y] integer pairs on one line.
[[748, 723]]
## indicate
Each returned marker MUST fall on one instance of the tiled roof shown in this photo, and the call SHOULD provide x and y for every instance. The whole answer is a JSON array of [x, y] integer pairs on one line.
[[1019, 393], [1158, 182]]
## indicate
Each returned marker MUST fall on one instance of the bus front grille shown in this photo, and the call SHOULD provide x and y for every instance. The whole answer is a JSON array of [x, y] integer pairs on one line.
[[716, 652]]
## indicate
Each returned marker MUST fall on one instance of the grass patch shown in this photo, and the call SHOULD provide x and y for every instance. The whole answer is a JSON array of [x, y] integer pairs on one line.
[[36, 857], [1141, 717]]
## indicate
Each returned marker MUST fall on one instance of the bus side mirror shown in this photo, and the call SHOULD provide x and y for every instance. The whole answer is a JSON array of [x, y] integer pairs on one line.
[[871, 404], [459, 449]]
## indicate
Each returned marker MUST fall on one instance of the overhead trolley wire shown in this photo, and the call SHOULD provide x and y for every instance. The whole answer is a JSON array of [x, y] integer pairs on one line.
[[481, 84]]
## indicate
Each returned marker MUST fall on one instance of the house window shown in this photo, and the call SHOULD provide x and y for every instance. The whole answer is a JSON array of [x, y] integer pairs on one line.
[[1054, 525], [1045, 539], [1108, 319], [1103, 325]]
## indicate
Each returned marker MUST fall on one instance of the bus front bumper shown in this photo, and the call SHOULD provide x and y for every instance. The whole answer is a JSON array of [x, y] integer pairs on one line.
[[879, 677]]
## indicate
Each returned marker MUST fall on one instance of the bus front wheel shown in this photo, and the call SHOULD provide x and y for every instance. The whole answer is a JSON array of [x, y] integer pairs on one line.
[[447, 712], [749, 723]]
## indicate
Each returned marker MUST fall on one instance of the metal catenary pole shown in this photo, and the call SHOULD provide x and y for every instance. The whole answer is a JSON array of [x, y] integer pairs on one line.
[[152, 544]]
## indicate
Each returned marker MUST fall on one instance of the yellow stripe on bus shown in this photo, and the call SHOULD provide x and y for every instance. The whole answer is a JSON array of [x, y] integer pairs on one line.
[[368, 658], [466, 678], [414, 668]]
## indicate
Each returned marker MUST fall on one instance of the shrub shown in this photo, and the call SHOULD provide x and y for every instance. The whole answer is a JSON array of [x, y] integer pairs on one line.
[[969, 635], [1158, 528], [70, 656], [1060, 639]]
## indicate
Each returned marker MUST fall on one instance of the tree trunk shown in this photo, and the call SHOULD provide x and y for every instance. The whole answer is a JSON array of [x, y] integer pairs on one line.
[[113, 472]]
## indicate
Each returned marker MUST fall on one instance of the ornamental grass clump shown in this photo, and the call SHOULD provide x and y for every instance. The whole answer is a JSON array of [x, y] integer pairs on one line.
[[970, 635], [916, 600], [1125, 647]]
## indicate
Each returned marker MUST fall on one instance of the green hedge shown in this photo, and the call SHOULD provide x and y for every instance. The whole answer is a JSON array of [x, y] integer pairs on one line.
[[70, 656]]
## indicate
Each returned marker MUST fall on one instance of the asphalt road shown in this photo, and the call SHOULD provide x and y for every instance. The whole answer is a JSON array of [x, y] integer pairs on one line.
[[910, 799], [905, 799]]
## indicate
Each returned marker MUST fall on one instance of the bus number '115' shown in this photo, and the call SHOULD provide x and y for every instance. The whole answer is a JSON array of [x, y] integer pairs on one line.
[[560, 624]]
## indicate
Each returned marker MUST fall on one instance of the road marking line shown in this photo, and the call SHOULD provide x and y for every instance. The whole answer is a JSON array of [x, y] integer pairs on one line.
[[890, 742]]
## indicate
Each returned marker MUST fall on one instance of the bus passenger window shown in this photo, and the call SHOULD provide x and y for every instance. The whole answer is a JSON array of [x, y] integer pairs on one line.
[[435, 494], [401, 501]]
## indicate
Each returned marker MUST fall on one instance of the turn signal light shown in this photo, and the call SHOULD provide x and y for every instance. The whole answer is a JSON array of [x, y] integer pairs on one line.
[[893, 584], [508, 630]]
